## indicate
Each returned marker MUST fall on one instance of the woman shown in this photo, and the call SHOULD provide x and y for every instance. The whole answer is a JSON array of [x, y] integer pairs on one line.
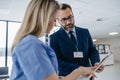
[[32, 59]]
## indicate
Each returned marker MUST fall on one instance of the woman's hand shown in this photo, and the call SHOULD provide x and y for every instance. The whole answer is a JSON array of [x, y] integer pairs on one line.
[[87, 71]]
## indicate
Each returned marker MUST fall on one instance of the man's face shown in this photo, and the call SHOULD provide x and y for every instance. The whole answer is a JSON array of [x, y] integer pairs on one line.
[[66, 19]]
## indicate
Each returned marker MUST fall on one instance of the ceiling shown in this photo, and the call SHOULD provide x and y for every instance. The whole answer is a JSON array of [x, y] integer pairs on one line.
[[99, 16]]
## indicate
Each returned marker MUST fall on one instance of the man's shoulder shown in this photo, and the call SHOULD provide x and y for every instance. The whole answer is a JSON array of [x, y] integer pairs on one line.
[[56, 33], [81, 28]]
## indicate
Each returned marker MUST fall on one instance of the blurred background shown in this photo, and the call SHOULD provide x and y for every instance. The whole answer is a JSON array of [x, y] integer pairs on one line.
[[101, 17]]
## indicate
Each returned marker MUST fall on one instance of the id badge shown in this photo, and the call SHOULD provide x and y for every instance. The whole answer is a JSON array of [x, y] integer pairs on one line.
[[78, 54]]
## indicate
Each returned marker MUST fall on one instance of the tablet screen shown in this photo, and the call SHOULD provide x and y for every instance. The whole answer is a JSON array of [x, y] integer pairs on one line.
[[102, 61]]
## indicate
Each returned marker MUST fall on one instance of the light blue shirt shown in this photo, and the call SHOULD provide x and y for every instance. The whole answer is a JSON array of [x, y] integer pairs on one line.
[[32, 60], [74, 32]]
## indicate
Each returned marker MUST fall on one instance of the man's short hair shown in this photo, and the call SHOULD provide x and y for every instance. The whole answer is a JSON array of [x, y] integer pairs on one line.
[[64, 6]]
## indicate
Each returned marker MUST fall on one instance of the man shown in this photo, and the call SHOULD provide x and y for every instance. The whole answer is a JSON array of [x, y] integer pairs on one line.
[[73, 45]]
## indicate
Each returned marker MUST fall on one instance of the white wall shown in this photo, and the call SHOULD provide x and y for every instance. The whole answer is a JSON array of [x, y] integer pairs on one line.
[[114, 46]]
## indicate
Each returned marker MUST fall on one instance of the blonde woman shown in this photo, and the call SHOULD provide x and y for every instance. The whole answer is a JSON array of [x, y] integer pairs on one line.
[[32, 59]]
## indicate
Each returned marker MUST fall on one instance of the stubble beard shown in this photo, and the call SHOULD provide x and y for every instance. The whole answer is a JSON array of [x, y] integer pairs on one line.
[[69, 27]]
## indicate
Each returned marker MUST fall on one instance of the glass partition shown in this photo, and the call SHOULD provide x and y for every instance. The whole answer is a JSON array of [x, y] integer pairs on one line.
[[2, 42]]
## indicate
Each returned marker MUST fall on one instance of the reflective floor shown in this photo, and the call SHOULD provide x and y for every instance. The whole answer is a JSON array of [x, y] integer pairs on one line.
[[111, 72]]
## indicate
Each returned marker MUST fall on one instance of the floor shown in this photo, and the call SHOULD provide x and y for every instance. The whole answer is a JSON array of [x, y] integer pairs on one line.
[[111, 72]]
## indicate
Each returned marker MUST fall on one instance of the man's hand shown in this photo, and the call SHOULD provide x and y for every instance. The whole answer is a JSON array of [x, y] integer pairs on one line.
[[100, 69]]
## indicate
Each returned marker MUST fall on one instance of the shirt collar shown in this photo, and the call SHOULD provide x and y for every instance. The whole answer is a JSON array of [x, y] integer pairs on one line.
[[71, 30]]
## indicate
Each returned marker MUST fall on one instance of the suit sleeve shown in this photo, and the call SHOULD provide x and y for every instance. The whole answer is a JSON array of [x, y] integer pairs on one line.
[[55, 46], [93, 53]]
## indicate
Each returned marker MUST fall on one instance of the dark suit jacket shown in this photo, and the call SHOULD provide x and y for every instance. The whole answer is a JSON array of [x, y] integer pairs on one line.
[[64, 48]]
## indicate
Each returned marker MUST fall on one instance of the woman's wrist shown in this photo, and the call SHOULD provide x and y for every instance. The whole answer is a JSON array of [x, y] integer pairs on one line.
[[61, 77], [80, 70]]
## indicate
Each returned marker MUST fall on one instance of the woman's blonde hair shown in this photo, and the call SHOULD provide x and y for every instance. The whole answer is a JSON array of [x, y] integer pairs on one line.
[[37, 17]]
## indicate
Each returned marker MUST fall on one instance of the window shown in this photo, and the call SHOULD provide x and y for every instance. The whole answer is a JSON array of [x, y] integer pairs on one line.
[[12, 30], [2, 43], [7, 33]]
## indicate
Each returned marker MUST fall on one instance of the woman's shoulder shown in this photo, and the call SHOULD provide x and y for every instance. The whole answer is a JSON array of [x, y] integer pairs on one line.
[[29, 41]]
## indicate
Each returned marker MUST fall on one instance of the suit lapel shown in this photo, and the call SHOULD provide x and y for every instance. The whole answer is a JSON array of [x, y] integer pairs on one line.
[[64, 36], [79, 38]]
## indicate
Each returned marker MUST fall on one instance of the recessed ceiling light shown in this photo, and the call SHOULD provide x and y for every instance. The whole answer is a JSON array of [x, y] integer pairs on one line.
[[113, 33], [94, 40]]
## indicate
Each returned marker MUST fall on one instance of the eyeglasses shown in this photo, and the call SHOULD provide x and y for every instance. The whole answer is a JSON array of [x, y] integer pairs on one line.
[[64, 20]]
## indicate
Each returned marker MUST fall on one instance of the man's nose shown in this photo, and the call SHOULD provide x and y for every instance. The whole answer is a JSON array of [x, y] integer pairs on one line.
[[68, 21]]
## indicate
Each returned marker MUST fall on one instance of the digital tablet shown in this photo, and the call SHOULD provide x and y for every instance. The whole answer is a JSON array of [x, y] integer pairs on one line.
[[102, 61]]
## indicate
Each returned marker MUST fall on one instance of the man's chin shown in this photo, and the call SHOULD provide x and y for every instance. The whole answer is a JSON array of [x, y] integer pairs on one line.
[[69, 29]]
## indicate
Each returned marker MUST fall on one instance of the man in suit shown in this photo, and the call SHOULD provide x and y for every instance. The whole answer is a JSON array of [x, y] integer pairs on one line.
[[73, 45]]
